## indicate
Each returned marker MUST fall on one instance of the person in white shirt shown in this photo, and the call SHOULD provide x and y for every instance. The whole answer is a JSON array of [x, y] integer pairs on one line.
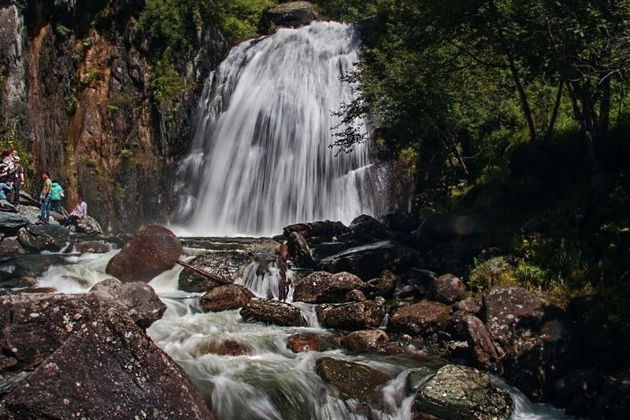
[[79, 212]]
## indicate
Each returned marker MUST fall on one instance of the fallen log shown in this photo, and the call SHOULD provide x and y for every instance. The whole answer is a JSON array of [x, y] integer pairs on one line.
[[203, 272]]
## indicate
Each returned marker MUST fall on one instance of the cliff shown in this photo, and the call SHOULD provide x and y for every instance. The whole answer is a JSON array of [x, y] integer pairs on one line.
[[76, 81]]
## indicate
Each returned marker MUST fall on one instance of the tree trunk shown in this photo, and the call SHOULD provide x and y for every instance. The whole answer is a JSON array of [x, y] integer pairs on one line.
[[554, 114]]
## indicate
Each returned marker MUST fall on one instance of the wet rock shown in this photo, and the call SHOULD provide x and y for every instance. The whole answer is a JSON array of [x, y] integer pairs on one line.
[[27, 281], [421, 319], [44, 237], [352, 316], [225, 264], [292, 14], [88, 225], [401, 221], [421, 283], [8, 207], [223, 348], [459, 392], [323, 287], [11, 222], [325, 230], [137, 300], [383, 285], [122, 361], [364, 341], [351, 379], [481, 347], [355, 296], [223, 298], [299, 252], [93, 247], [417, 378], [448, 289], [152, 250], [303, 342], [35, 265], [10, 247], [368, 261], [272, 312], [472, 304], [367, 228], [30, 213]]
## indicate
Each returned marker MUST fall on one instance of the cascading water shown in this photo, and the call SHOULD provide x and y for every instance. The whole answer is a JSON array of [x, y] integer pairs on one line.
[[261, 156]]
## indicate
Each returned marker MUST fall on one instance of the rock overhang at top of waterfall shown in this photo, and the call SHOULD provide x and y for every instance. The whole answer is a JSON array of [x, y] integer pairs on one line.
[[292, 14]]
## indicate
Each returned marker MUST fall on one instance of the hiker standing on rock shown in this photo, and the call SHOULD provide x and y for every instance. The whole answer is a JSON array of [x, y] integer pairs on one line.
[[56, 194], [44, 198], [283, 264]]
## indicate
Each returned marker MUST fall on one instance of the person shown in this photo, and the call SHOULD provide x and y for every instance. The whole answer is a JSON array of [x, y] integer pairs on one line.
[[44, 198], [56, 194], [4, 187], [283, 264], [18, 179], [79, 212]]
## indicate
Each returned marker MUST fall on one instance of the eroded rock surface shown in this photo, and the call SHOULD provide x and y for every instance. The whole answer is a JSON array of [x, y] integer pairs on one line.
[[351, 379], [272, 312], [223, 298], [323, 287]]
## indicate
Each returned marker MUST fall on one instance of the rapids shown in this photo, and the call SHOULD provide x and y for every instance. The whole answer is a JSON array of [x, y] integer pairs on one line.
[[261, 157], [270, 382]]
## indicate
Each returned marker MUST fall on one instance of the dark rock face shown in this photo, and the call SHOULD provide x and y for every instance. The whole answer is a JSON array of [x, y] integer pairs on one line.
[[225, 264], [10, 247], [366, 340], [136, 300], [223, 298], [367, 228], [353, 316], [470, 328], [303, 342], [323, 287], [368, 261], [122, 360], [459, 392], [422, 319], [355, 296], [299, 252], [472, 304], [152, 250], [292, 14], [44, 237], [401, 222], [94, 247], [352, 380], [11, 222], [272, 312], [448, 289]]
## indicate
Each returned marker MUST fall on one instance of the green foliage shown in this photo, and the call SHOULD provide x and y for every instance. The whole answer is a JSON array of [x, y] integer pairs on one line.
[[63, 31], [11, 138], [165, 84]]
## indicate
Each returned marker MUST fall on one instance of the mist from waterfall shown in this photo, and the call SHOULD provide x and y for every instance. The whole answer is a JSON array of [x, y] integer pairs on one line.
[[261, 156]]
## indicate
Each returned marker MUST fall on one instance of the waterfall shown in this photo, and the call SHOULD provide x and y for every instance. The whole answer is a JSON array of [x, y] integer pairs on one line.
[[261, 156]]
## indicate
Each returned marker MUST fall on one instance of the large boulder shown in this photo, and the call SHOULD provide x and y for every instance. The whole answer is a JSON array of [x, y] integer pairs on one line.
[[30, 213], [137, 300], [365, 228], [421, 319], [152, 250], [365, 340], [351, 379], [10, 247], [272, 312], [353, 316], [223, 298], [459, 392], [383, 285], [226, 264], [323, 287], [299, 252], [468, 327], [109, 356], [368, 261], [292, 14], [44, 237], [11, 222]]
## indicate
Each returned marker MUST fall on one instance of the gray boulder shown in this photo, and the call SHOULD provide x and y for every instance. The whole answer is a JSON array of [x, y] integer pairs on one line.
[[11, 222], [44, 237], [88, 225], [459, 392]]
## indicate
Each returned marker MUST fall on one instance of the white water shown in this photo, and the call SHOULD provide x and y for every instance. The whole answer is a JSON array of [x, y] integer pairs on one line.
[[270, 382], [260, 157]]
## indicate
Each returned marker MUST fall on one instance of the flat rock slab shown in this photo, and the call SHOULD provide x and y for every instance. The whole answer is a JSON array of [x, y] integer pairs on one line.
[[460, 392], [352, 380], [109, 369]]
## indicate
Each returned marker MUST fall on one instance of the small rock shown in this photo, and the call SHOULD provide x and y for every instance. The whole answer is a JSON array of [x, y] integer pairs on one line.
[[364, 341], [355, 296], [223, 298], [92, 247], [448, 289], [223, 348], [303, 342]]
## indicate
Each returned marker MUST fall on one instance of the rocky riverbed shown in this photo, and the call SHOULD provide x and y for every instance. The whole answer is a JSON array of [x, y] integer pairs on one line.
[[366, 331]]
